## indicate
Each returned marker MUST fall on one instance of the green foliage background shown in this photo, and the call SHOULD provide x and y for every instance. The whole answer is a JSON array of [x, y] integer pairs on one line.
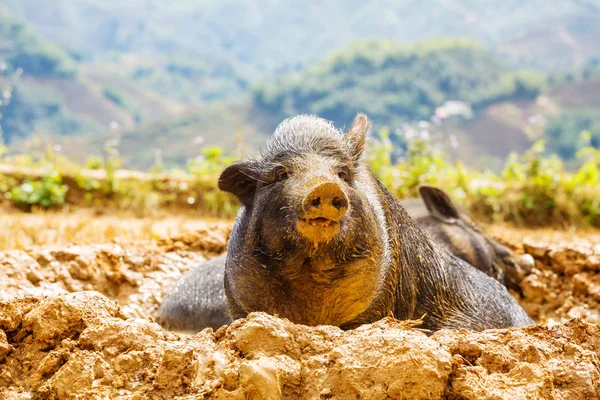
[[183, 78], [395, 84], [99, 62], [532, 190]]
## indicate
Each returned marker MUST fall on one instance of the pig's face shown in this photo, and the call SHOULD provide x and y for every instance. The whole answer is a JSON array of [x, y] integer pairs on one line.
[[306, 189], [314, 223]]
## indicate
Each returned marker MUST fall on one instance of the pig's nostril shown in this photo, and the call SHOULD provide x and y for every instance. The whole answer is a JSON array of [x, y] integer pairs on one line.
[[316, 202], [338, 202]]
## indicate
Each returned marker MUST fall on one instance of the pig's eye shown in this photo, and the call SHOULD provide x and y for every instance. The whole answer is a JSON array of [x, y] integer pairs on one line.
[[282, 176], [343, 175]]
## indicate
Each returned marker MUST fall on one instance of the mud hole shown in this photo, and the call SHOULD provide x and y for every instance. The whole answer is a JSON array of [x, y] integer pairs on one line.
[[76, 322]]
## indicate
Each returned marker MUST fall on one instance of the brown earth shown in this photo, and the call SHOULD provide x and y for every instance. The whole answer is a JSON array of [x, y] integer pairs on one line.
[[566, 282], [137, 275], [76, 322]]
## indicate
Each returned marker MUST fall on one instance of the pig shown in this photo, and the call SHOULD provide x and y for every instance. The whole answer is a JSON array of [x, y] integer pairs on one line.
[[319, 240], [459, 234], [198, 299]]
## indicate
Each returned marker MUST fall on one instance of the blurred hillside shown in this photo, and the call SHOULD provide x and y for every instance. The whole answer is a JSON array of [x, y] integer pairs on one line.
[[278, 34], [180, 75]]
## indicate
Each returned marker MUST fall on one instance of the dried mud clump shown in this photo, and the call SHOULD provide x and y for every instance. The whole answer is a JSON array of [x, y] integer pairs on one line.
[[137, 275], [566, 282], [80, 345], [537, 362], [75, 322], [211, 239]]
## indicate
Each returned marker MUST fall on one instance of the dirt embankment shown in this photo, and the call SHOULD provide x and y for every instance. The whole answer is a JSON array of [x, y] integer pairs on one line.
[[93, 337], [81, 344], [137, 275], [566, 281]]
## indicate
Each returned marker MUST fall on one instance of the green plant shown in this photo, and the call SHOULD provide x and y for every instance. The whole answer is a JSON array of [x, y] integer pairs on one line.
[[47, 192], [209, 165], [534, 188], [94, 162]]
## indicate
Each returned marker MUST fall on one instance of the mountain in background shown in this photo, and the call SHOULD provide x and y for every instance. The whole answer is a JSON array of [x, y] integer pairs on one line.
[[275, 34], [178, 75]]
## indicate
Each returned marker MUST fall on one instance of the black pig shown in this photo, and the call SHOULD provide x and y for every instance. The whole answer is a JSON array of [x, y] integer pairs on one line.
[[460, 235], [198, 299], [319, 240]]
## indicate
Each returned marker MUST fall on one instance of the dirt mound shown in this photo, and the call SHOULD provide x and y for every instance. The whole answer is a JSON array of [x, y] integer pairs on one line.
[[81, 344], [137, 275], [212, 239], [565, 283], [75, 322], [559, 362]]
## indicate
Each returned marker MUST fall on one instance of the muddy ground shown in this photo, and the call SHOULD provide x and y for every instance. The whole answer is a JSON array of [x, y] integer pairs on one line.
[[76, 322]]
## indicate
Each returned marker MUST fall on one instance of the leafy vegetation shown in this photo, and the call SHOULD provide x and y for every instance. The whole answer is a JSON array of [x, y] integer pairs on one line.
[[395, 84], [182, 69], [46, 192], [559, 133], [534, 189]]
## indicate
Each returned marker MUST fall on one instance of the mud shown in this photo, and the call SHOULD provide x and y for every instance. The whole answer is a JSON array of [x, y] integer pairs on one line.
[[76, 322], [136, 275], [566, 282], [81, 345]]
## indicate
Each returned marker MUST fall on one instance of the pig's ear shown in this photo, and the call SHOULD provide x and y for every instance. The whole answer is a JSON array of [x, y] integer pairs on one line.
[[240, 179], [439, 204], [357, 135]]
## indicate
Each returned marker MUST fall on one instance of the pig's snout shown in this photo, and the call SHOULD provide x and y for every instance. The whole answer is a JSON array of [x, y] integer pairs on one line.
[[321, 211], [325, 202]]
